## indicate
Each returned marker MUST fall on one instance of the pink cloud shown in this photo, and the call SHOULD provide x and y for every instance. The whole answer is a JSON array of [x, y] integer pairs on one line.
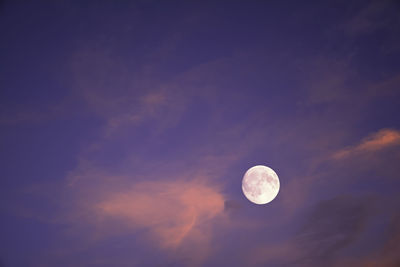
[[382, 139], [172, 212]]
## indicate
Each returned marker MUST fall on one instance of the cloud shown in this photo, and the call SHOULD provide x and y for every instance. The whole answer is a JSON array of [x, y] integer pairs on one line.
[[370, 17], [387, 88], [173, 212], [171, 209], [148, 106], [175, 215], [386, 253], [122, 102], [326, 80], [382, 139], [371, 160], [331, 226], [347, 165], [390, 251]]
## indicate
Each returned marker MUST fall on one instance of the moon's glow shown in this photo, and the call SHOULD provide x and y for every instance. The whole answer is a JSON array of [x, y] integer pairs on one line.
[[260, 184]]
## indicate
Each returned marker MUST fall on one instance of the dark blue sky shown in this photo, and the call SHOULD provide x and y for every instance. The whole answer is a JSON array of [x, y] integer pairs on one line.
[[126, 129]]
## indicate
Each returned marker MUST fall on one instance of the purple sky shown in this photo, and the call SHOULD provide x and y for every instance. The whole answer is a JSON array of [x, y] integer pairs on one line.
[[126, 128]]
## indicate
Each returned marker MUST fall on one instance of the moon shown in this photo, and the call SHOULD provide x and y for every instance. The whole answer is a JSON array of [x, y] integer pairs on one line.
[[260, 184]]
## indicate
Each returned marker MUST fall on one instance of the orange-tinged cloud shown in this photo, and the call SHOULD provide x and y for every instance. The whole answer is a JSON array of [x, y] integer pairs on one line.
[[382, 139], [173, 212]]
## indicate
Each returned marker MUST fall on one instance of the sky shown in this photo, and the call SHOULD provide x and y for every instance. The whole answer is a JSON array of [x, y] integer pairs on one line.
[[126, 128]]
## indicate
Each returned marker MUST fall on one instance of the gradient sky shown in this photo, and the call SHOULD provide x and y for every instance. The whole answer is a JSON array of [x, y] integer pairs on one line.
[[126, 128]]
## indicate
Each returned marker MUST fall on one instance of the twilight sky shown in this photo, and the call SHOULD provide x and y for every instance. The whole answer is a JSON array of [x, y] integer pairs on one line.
[[126, 128]]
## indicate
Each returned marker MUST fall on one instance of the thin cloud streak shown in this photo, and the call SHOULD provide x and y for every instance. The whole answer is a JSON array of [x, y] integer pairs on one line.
[[297, 190], [382, 139]]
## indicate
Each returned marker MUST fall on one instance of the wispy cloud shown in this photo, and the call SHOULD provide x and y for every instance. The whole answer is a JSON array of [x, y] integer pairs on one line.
[[379, 140], [331, 226], [144, 108], [326, 80], [369, 18], [346, 165], [173, 212], [386, 254]]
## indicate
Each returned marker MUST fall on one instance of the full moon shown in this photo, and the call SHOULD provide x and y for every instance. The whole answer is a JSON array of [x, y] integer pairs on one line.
[[260, 184]]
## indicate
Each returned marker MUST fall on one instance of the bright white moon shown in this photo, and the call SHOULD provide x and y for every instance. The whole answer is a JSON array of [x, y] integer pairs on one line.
[[260, 184]]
